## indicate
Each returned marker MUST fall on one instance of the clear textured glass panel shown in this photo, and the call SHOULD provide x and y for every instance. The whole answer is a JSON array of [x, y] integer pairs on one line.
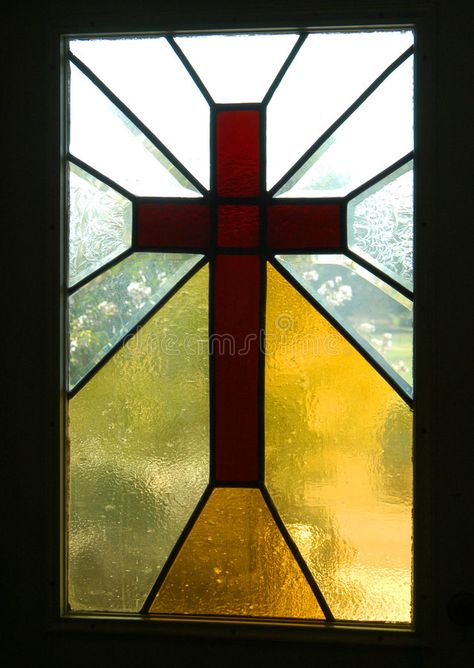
[[100, 224], [376, 135], [329, 73], [236, 562], [105, 309], [150, 79], [338, 461], [139, 455], [105, 139], [380, 225], [367, 307], [237, 68]]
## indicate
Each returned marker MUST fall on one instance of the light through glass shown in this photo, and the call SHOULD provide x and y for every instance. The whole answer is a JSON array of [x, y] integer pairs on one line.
[[240, 314]]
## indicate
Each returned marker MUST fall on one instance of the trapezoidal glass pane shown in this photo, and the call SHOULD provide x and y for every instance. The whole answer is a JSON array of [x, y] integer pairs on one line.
[[104, 138], [104, 310], [375, 136], [374, 313], [149, 78], [380, 225], [100, 224], [327, 75], [139, 455], [236, 562], [338, 461], [237, 68]]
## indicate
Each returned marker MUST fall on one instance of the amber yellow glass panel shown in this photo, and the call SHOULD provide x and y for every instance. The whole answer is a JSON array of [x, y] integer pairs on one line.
[[139, 455], [236, 562], [338, 461]]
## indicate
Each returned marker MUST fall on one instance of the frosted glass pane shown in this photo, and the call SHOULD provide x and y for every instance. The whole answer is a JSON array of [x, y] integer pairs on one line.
[[100, 224], [236, 562], [139, 455], [380, 225], [376, 135], [364, 305], [329, 73], [338, 461], [105, 139], [237, 68], [106, 308], [150, 79]]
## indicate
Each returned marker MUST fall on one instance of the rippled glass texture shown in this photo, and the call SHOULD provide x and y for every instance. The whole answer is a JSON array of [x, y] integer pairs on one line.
[[149, 78], [104, 138], [328, 74], [236, 562], [368, 308], [139, 455], [108, 307], [338, 461], [100, 224], [237, 68], [375, 136], [380, 225]]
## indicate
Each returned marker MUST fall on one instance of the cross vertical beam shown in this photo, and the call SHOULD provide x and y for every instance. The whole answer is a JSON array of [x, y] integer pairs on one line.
[[235, 341], [236, 322]]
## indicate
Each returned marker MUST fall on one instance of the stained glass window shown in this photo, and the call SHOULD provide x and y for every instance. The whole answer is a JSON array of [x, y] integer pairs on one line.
[[240, 342]]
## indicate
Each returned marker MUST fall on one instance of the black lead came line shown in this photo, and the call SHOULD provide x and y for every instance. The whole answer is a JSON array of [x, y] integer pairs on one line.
[[284, 68], [101, 270], [136, 328], [176, 549], [338, 122], [191, 71], [379, 273], [395, 166], [401, 387], [128, 113], [101, 177], [295, 551], [263, 295]]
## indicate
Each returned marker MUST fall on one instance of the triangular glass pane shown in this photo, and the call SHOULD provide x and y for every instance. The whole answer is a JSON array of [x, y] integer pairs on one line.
[[375, 314], [375, 136], [149, 78], [328, 74], [236, 562], [380, 225], [100, 223], [104, 138], [138, 455], [338, 461], [105, 309], [237, 68]]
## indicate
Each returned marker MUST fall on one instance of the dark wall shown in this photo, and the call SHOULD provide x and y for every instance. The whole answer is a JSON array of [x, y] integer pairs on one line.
[[445, 461]]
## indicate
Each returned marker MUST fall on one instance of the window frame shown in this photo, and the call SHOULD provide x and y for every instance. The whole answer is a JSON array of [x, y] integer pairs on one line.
[[420, 22]]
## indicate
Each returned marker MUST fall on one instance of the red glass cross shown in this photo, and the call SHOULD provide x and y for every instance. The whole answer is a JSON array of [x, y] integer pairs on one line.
[[237, 225]]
